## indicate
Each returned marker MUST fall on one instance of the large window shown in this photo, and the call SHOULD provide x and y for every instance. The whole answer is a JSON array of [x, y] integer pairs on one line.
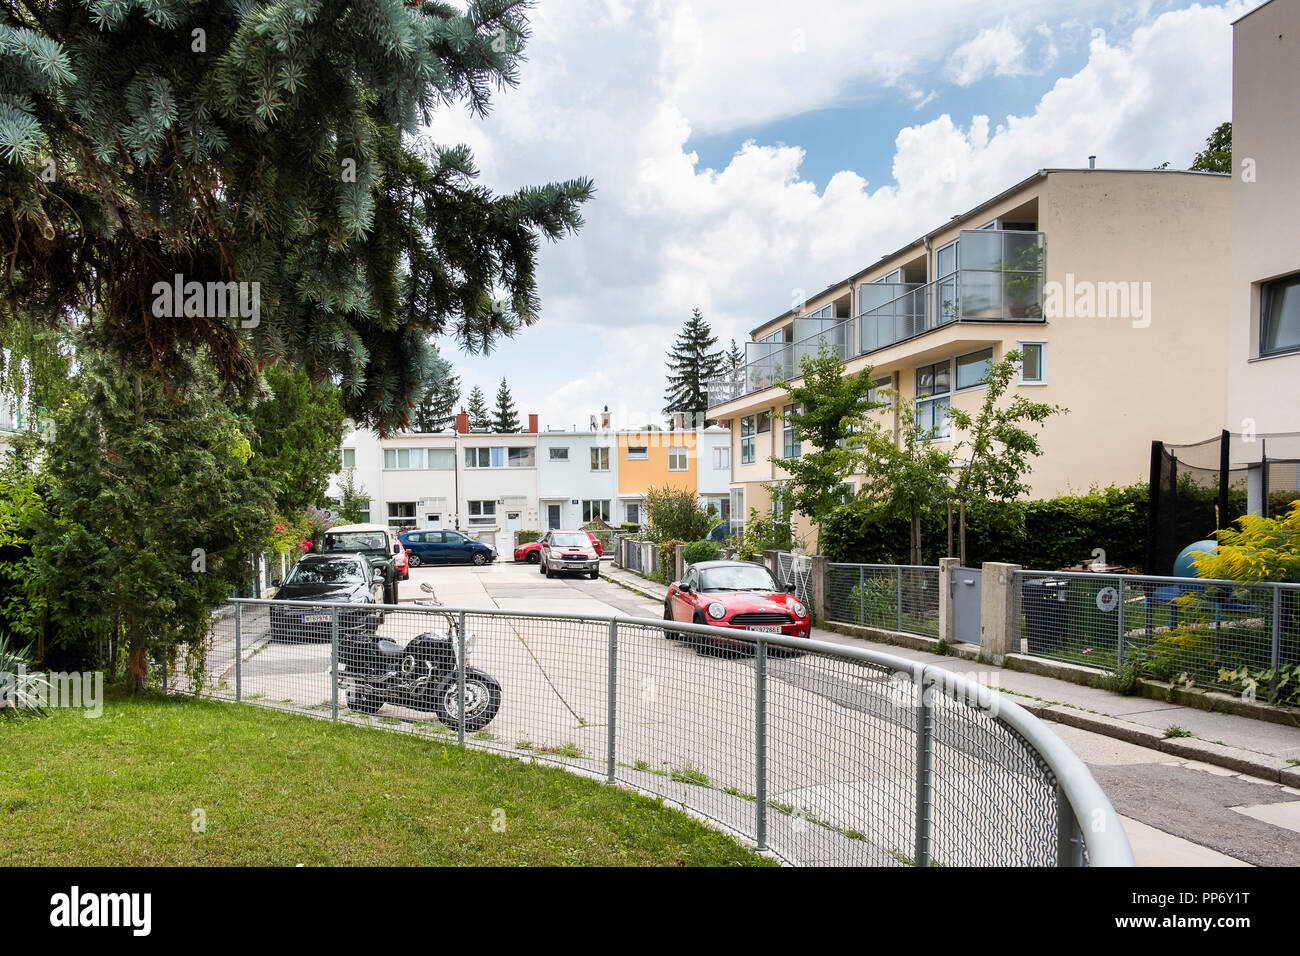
[[591, 510], [522, 457], [789, 447], [559, 454], [1279, 316], [440, 458], [677, 456], [482, 512], [600, 459], [403, 458], [1032, 368], [478, 457], [973, 367], [747, 440], [401, 514], [737, 510], [721, 459], [933, 398]]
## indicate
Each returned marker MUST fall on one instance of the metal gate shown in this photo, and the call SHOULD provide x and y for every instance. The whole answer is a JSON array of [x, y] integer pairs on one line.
[[966, 587]]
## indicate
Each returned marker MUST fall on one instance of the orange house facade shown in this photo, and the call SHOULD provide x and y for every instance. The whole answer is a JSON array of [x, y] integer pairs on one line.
[[658, 459]]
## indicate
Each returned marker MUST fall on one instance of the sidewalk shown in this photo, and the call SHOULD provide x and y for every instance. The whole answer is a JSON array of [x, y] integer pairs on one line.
[[1242, 744]]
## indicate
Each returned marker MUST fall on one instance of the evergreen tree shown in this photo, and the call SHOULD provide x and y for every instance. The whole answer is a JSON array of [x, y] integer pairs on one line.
[[735, 360], [436, 408], [479, 417], [277, 145], [297, 430], [692, 361], [506, 419]]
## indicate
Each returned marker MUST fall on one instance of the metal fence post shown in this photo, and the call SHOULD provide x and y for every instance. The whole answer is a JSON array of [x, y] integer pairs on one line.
[[1069, 838], [334, 662], [239, 654], [760, 743], [898, 595], [1276, 635], [611, 719], [924, 771], [862, 595], [1119, 638], [460, 678]]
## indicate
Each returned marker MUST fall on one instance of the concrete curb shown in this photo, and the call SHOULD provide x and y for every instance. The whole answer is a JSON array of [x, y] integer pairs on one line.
[[629, 586]]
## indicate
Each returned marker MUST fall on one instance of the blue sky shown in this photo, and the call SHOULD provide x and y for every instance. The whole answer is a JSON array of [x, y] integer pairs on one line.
[[742, 152]]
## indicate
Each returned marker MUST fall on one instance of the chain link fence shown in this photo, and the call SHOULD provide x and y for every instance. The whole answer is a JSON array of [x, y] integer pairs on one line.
[[1177, 629], [903, 598], [825, 755]]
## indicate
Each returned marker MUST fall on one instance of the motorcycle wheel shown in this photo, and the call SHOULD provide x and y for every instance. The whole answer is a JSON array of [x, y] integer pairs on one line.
[[364, 705], [482, 700]]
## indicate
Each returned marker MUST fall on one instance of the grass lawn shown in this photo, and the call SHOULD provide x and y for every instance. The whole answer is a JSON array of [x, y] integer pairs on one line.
[[282, 789]]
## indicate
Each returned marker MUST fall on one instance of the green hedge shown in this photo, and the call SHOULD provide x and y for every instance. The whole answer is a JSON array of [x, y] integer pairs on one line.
[[1050, 534], [698, 551], [526, 536]]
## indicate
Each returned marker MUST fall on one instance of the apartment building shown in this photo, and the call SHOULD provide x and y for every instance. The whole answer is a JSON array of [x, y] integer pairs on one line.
[[1110, 283], [579, 478], [1263, 347]]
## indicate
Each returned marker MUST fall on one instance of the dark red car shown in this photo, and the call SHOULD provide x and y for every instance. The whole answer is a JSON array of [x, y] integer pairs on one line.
[[734, 594], [532, 551]]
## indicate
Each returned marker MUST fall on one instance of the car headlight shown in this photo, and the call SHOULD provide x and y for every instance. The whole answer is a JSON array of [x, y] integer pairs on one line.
[[717, 611], [799, 608]]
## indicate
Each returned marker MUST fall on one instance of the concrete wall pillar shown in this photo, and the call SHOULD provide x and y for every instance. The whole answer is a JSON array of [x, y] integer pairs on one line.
[[773, 564], [679, 561], [999, 630], [946, 631], [819, 586]]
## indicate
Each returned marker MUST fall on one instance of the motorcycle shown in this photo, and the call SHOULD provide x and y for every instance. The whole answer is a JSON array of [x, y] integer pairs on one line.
[[422, 675]]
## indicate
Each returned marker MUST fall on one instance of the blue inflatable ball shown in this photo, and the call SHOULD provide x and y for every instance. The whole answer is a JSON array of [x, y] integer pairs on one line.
[[1183, 567]]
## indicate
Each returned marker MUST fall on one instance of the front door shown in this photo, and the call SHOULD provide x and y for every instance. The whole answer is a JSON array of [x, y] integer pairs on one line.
[[433, 522], [513, 522], [552, 517]]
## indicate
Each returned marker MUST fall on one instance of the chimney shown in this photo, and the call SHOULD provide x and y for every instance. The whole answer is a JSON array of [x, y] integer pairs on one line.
[[604, 418], [679, 421], [1092, 162], [532, 424], [462, 422]]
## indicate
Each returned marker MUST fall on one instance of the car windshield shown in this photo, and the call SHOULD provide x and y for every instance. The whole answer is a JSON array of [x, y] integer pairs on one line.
[[737, 577], [326, 572], [350, 541], [570, 541]]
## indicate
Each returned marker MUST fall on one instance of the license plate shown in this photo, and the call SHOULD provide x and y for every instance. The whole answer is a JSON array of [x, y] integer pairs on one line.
[[765, 628], [573, 564], [315, 618]]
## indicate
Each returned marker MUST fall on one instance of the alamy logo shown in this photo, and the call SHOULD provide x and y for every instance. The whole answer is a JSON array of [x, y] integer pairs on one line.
[[78, 690], [213, 300], [133, 910], [1084, 299]]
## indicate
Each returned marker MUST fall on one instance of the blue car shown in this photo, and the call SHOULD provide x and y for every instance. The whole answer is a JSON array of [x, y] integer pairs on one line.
[[444, 547]]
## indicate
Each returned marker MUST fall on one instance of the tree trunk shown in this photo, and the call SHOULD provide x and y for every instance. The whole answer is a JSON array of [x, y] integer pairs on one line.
[[962, 533], [137, 667]]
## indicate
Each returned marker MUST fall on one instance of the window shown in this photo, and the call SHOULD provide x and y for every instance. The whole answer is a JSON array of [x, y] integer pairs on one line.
[[349, 458], [764, 422], [482, 512], [877, 392], [677, 456], [600, 459], [973, 367], [478, 457], [789, 447], [945, 260], [638, 452], [591, 510], [1032, 371], [401, 514], [633, 512], [747, 440], [721, 459], [559, 454], [1279, 316], [522, 457], [737, 510], [403, 458], [933, 386]]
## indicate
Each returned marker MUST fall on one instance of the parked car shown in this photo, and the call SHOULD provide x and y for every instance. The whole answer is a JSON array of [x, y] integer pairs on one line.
[[445, 547], [403, 562], [737, 595], [568, 552], [531, 551], [339, 578], [374, 542], [720, 532]]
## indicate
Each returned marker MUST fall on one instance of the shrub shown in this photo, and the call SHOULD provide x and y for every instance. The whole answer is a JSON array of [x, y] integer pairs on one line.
[[668, 560], [675, 514], [530, 535], [631, 527], [698, 551], [1258, 549]]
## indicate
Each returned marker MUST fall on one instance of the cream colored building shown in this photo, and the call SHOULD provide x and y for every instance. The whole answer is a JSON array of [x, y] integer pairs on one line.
[[1110, 282], [1263, 345]]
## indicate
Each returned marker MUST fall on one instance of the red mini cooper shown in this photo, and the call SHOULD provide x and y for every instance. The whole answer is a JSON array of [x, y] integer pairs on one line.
[[735, 594]]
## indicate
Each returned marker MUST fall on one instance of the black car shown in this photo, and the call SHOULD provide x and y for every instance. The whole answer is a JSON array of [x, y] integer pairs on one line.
[[343, 578]]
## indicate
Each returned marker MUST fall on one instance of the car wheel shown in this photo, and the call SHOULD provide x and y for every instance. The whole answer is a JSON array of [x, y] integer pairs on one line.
[[479, 559], [595, 574], [541, 568], [413, 560], [668, 616], [546, 569], [533, 557]]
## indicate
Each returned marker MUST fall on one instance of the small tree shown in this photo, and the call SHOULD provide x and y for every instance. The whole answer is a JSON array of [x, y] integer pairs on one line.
[[506, 419], [1217, 155], [833, 407], [675, 514], [297, 429], [479, 417], [436, 408], [354, 502]]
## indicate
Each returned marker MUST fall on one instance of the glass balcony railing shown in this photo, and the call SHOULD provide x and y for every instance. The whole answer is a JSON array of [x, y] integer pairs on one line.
[[1000, 280]]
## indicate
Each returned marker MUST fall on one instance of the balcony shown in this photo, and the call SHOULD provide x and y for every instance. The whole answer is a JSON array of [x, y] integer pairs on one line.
[[1000, 279]]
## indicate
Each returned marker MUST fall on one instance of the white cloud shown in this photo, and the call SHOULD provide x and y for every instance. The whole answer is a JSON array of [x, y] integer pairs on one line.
[[615, 90]]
